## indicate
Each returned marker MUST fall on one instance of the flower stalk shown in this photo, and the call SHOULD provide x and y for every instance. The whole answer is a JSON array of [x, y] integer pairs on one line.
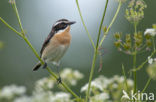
[[110, 25], [96, 52]]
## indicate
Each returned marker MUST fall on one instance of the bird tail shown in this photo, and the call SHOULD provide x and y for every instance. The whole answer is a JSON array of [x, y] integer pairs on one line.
[[37, 66]]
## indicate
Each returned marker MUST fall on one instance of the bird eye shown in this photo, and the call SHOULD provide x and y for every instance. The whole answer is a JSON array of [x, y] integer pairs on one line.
[[65, 25]]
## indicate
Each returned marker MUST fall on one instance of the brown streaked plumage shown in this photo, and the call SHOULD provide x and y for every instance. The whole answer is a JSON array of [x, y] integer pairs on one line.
[[56, 44]]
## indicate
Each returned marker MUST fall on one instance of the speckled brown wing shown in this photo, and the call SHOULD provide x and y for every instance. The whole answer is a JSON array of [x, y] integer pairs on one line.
[[47, 40]]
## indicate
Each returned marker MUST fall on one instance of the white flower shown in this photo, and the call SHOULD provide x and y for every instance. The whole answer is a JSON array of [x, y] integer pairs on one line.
[[12, 90], [23, 99], [150, 31], [44, 84], [71, 76], [154, 59], [42, 97], [130, 82], [77, 74], [94, 84], [61, 97], [100, 97], [118, 78], [150, 60]]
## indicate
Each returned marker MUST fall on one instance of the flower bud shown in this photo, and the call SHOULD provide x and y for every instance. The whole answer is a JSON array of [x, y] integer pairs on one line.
[[128, 38], [126, 46], [117, 43], [148, 43], [148, 36], [117, 36], [104, 29]]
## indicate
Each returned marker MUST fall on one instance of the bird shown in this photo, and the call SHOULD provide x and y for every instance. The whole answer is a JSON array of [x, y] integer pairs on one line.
[[56, 44]]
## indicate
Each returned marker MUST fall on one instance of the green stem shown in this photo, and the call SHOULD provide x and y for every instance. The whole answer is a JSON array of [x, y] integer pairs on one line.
[[99, 32], [63, 84], [34, 51], [110, 25], [10, 27], [135, 27], [134, 61], [89, 36], [134, 73], [153, 44], [96, 52], [125, 78], [141, 66], [18, 18], [147, 84]]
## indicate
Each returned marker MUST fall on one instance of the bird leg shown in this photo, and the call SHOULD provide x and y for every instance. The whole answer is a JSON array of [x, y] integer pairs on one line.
[[59, 80], [45, 65]]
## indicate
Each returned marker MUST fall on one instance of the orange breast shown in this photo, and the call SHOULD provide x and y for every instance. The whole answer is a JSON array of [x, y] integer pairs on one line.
[[63, 37]]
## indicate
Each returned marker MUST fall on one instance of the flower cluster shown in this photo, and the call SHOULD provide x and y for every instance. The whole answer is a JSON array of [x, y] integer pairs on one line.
[[70, 76], [43, 89], [135, 10], [102, 89], [107, 89], [137, 41], [9, 92]]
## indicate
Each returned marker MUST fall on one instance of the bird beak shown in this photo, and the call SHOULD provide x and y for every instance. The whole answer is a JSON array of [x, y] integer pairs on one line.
[[71, 22]]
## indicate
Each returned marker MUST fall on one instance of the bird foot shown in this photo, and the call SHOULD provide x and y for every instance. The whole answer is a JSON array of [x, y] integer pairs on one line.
[[59, 80], [45, 65]]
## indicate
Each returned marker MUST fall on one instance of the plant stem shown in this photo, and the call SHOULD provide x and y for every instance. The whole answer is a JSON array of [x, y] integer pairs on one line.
[[63, 84], [10, 27], [18, 18], [110, 25], [89, 36], [96, 52], [134, 60], [134, 73], [147, 84], [135, 27], [141, 66], [125, 78]]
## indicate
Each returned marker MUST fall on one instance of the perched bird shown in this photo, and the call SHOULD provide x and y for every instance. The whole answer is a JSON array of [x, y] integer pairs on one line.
[[56, 44]]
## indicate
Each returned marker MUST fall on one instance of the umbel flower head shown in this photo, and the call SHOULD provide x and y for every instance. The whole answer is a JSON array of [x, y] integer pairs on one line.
[[135, 10]]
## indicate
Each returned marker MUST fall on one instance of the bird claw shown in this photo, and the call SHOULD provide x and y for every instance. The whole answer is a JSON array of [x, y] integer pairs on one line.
[[45, 65], [59, 80]]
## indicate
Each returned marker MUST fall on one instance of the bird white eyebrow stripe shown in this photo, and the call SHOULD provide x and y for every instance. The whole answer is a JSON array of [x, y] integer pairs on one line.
[[60, 22]]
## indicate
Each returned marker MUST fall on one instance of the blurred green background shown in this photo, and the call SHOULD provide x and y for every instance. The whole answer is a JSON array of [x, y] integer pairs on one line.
[[17, 60]]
